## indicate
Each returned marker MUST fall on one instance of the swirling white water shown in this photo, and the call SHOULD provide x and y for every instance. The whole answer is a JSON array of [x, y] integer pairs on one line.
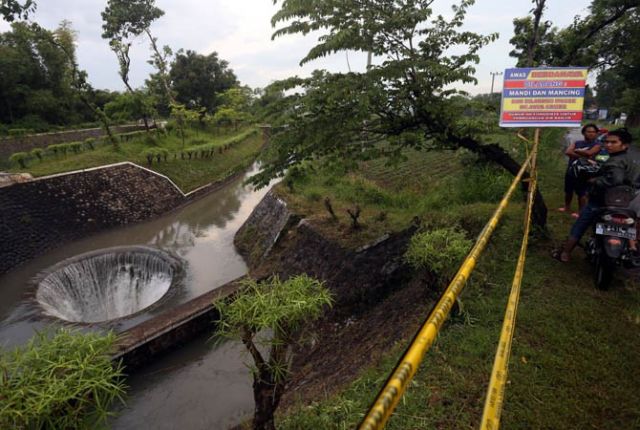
[[105, 286]]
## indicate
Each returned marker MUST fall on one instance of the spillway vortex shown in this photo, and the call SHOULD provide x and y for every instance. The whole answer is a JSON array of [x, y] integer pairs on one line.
[[105, 285]]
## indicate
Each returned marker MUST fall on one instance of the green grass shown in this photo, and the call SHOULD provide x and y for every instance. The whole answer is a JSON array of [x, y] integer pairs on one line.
[[576, 350], [391, 196], [187, 174]]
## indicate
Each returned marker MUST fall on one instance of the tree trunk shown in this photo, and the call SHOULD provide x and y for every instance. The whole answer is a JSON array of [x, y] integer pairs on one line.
[[533, 42], [499, 156], [263, 415]]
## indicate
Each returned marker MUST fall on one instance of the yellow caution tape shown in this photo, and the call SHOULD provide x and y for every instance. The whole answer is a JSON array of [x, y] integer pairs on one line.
[[495, 392], [390, 395]]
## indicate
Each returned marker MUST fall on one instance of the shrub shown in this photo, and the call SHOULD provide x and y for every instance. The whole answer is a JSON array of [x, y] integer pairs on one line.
[[37, 153], [282, 308], [150, 154], [20, 158], [17, 132], [440, 250], [63, 148], [64, 381], [55, 148], [90, 143], [76, 147]]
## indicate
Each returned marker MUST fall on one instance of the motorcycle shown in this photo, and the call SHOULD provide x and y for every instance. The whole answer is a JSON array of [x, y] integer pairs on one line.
[[608, 246]]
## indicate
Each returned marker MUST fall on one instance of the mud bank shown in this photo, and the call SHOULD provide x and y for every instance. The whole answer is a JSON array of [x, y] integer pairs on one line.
[[378, 298]]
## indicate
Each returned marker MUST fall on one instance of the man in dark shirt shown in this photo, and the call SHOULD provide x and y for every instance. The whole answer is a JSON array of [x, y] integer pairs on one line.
[[587, 148], [622, 168]]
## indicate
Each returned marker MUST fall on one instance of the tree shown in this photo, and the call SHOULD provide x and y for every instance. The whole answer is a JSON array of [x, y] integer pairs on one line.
[[65, 41], [128, 107], [199, 80], [405, 100], [605, 40], [235, 106], [539, 54], [281, 308], [124, 20], [183, 117], [12, 9], [36, 77]]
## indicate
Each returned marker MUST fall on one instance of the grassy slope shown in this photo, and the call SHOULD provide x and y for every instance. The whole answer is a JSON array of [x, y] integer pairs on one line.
[[186, 174], [576, 352]]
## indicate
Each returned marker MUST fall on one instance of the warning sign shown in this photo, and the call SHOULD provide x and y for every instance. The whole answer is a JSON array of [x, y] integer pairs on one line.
[[543, 97]]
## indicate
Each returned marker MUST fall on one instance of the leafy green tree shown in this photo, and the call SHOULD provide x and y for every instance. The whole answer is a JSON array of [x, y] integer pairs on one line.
[[605, 40], [235, 106], [404, 99], [183, 117], [63, 381], [64, 39], [279, 309], [267, 102], [12, 9], [199, 80], [533, 39], [129, 106], [122, 22], [36, 77]]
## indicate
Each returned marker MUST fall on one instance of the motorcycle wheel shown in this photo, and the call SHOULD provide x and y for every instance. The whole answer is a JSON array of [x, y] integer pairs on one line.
[[604, 267]]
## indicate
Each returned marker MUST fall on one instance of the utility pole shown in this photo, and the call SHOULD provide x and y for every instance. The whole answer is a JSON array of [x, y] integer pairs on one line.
[[493, 77]]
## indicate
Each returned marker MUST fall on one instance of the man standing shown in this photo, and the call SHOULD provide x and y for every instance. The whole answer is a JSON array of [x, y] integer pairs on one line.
[[586, 148]]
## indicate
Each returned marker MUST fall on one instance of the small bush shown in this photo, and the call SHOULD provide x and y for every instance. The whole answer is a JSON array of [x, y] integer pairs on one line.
[[150, 154], [90, 143], [37, 153], [76, 147], [64, 381], [441, 250], [63, 148], [20, 158], [17, 132], [55, 149]]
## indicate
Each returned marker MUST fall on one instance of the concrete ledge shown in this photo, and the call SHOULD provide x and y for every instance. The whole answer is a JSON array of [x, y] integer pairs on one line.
[[142, 343]]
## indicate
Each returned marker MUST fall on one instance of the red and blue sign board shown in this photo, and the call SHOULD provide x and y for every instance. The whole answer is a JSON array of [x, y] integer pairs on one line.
[[543, 97]]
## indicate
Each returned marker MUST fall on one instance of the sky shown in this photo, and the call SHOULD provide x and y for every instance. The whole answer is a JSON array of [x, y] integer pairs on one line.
[[240, 32]]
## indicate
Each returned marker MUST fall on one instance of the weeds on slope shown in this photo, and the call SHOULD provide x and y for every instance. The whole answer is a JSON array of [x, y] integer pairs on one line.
[[576, 350]]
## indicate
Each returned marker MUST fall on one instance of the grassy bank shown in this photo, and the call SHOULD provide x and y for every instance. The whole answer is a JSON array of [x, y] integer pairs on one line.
[[576, 350], [228, 152]]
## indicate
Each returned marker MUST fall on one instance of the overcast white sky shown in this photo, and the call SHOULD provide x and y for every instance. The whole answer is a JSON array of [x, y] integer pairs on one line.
[[240, 31]]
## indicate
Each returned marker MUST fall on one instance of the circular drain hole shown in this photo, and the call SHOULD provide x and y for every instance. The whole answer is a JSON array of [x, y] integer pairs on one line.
[[107, 284]]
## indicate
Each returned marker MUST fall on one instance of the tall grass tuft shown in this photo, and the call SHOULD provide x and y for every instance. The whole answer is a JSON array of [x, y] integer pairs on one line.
[[64, 380]]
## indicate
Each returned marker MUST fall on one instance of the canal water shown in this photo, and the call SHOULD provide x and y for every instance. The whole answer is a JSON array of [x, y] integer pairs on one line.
[[201, 385]]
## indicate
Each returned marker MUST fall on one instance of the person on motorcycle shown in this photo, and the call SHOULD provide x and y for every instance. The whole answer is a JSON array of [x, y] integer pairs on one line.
[[622, 168], [581, 149]]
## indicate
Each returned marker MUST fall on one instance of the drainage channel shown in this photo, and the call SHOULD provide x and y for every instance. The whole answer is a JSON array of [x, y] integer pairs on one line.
[[198, 385]]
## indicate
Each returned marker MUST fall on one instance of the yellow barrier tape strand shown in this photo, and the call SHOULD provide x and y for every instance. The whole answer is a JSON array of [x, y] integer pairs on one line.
[[495, 392], [390, 395]]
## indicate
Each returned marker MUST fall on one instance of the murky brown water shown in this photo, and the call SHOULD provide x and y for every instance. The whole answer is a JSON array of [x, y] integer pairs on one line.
[[199, 386]]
